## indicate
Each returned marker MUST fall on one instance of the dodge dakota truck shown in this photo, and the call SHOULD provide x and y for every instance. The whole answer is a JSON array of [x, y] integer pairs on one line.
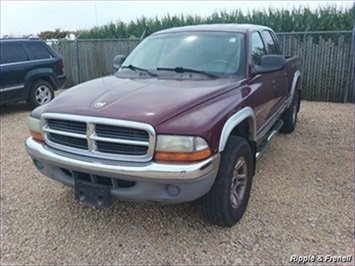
[[184, 118]]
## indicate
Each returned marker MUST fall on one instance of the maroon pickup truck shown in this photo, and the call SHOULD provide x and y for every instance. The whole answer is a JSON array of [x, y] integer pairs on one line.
[[184, 118]]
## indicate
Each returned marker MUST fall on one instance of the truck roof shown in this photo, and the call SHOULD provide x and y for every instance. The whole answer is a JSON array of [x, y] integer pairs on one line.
[[231, 27]]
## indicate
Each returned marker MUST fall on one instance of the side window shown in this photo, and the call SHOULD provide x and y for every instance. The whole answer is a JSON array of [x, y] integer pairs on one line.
[[258, 48], [270, 43], [38, 51], [12, 53]]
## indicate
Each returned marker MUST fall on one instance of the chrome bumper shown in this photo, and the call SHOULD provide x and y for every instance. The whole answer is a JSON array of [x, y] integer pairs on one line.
[[123, 170], [153, 182]]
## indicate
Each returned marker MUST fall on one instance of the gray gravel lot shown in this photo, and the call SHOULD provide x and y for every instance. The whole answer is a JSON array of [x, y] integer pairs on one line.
[[302, 203]]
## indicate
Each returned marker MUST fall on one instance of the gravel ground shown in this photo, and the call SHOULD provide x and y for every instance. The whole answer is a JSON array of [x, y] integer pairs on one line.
[[302, 203]]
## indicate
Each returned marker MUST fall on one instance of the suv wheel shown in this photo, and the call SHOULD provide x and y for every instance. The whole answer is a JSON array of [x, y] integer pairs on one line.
[[41, 93], [227, 200]]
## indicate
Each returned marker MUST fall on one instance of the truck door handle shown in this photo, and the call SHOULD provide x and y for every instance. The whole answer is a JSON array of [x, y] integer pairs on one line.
[[273, 82]]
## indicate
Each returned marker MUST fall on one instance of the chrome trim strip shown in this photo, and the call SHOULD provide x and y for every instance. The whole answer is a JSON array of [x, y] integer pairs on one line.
[[12, 88], [122, 141], [268, 139], [46, 129], [270, 123], [90, 131], [28, 61], [152, 170], [233, 121], [91, 136]]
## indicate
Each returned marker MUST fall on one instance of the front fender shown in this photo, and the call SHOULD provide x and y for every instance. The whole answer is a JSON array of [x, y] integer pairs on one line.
[[205, 120]]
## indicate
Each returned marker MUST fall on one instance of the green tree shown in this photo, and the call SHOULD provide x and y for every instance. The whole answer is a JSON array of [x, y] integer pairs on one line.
[[56, 34]]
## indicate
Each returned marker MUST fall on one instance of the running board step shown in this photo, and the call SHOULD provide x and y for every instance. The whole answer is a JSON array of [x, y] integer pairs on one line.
[[272, 133]]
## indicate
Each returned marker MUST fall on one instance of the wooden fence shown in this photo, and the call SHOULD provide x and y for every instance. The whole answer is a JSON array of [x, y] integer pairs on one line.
[[327, 64], [327, 61], [89, 59]]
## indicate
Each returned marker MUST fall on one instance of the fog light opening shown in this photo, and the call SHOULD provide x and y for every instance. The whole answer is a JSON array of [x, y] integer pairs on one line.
[[81, 196], [173, 190], [38, 164], [100, 200]]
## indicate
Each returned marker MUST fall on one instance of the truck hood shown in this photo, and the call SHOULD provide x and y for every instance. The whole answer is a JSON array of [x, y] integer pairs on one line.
[[151, 101]]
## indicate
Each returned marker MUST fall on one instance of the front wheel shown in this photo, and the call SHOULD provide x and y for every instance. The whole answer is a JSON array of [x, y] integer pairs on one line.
[[227, 200], [41, 93]]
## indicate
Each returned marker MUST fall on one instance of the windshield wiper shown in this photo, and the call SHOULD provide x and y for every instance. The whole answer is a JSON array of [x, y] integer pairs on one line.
[[183, 70], [134, 68]]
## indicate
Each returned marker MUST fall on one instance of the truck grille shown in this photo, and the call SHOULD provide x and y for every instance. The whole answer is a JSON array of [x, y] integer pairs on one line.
[[69, 126], [68, 141], [108, 131], [99, 137]]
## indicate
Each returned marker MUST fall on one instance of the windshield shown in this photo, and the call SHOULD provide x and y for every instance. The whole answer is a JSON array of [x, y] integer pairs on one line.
[[216, 53]]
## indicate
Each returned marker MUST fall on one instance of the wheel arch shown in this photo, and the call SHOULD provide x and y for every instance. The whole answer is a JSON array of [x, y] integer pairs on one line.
[[295, 86], [242, 123], [44, 74]]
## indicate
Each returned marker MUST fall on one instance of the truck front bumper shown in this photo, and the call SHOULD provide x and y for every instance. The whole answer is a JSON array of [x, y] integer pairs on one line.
[[151, 181]]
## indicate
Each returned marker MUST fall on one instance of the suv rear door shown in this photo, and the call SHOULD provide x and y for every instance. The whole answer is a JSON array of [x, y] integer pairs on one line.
[[12, 67], [42, 56]]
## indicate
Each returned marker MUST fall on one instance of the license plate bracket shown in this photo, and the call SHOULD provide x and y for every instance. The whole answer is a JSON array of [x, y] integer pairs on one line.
[[94, 194]]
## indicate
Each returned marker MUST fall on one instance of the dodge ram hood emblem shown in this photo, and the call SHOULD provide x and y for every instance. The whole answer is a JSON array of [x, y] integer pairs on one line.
[[99, 105]]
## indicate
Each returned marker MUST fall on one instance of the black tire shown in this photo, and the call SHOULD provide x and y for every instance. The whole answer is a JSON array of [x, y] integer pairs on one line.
[[217, 205], [41, 92], [289, 117]]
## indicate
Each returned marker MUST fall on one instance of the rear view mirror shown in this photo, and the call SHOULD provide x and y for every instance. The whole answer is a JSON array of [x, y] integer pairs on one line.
[[118, 61], [270, 63]]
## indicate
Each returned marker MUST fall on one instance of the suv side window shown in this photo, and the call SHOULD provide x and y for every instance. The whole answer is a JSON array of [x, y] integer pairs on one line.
[[257, 47], [271, 47], [38, 51], [12, 53]]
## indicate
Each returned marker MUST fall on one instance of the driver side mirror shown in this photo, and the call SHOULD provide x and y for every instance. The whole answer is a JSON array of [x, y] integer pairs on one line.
[[118, 61], [270, 63]]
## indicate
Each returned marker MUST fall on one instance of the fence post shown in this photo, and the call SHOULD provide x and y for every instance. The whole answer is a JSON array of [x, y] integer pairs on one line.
[[350, 68], [77, 61], [142, 36]]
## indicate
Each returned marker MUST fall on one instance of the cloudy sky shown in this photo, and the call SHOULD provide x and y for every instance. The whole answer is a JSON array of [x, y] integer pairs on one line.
[[32, 17]]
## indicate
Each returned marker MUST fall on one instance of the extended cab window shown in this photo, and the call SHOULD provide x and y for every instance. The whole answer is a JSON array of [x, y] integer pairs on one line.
[[258, 48], [271, 47], [12, 53], [38, 51]]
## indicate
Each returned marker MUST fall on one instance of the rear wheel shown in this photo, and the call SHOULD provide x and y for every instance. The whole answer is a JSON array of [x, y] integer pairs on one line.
[[227, 200], [289, 117], [42, 92]]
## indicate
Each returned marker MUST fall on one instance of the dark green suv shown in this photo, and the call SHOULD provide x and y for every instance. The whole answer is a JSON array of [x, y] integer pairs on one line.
[[29, 71]]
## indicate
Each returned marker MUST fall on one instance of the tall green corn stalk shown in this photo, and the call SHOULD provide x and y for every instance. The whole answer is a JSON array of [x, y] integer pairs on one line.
[[327, 18]]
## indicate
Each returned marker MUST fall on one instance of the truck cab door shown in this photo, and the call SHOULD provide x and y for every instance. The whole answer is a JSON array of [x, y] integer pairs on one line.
[[279, 88], [279, 79], [262, 95]]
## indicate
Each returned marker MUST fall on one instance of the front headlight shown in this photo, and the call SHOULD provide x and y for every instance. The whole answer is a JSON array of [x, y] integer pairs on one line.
[[34, 125], [181, 148]]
